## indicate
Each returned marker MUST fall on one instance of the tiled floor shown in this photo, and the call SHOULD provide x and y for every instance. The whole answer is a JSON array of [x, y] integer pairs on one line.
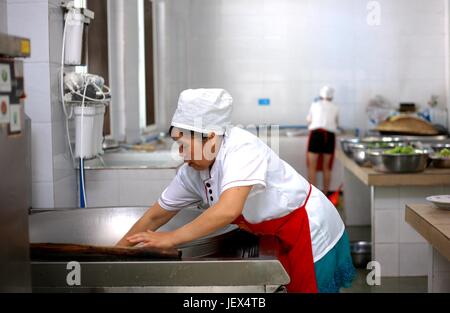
[[388, 284]]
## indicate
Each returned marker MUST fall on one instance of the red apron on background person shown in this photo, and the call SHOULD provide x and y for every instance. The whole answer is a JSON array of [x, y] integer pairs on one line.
[[295, 253], [320, 159]]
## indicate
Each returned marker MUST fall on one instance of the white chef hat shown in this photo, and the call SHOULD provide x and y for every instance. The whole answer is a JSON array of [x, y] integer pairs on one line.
[[327, 92], [203, 110]]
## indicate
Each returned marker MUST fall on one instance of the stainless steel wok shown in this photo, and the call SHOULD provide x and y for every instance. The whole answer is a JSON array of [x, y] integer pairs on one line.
[[106, 226]]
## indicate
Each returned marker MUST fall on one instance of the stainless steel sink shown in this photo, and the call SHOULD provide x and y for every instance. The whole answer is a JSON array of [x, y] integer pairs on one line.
[[132, 159]]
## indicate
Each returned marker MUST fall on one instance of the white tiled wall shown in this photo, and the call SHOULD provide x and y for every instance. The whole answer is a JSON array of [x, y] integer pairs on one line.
[[387, 226], [126, 187], [172, 23], [42, 195], [64, 189], [286, 50], [37, 88], [413, 259], [102, 188], [387, 254], [390, 231], [64, 178], [41, 152], [30, 19], [357, 201], [54, 181]]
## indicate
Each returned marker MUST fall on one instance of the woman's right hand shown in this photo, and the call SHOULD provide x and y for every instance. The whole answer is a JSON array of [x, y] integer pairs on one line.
[[153, 219]]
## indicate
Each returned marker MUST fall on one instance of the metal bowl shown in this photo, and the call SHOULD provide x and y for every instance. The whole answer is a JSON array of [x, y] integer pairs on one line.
[[360, 152], [399, 163], [439, 162], [345, 145], [361, 252]]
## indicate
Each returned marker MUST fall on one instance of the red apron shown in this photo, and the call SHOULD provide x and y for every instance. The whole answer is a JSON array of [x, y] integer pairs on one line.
[[295, 253], [320, 159]]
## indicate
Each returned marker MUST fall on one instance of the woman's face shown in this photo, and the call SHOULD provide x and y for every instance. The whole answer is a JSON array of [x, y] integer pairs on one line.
[[197, 152]]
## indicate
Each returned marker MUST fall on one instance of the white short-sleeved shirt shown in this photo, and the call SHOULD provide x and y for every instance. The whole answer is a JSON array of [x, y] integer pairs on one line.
[[323, 114], [245, 160]]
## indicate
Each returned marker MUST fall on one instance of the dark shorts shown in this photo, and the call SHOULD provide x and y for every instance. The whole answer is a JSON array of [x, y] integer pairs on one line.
[[321, 141]]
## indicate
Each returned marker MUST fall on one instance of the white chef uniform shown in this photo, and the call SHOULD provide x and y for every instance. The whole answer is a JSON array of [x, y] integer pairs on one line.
[[245, 160]]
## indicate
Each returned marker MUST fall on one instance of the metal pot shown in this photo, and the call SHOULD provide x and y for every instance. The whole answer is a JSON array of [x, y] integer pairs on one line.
[[360, 152], [345, 145], [440, 162], [361, 252], [399, 163]]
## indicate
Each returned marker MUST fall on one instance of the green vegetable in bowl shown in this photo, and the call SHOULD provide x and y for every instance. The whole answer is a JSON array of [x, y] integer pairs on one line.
[[444, 153], [401, 150], [378, 145]]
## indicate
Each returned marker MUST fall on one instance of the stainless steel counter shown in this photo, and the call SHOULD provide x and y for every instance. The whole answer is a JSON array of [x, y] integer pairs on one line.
[[215, 275], [225, 261]]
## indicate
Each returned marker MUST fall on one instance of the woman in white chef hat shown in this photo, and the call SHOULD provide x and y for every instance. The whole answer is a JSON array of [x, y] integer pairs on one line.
[[323, 122], [242, 180]]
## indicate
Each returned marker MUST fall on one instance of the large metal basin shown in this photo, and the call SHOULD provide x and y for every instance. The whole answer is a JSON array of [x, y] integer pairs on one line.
[[399, 163], [106, 226], [360, 152]]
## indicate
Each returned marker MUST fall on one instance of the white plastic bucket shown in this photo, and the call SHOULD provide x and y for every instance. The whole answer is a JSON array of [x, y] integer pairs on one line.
[[98, 126], [85, 136]]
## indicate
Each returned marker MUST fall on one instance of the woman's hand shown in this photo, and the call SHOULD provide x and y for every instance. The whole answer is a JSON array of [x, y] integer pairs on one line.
[[154, 218], [151, 239]]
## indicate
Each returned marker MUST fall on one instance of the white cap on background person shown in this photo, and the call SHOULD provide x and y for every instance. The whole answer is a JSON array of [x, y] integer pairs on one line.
[[203, 110], [326, 92]]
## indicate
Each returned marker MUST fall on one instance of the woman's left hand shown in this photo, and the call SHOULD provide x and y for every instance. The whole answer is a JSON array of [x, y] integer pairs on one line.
[[161, 240]]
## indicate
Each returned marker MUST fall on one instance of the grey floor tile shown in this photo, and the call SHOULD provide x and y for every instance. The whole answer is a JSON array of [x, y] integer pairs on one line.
[[388, 284]]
